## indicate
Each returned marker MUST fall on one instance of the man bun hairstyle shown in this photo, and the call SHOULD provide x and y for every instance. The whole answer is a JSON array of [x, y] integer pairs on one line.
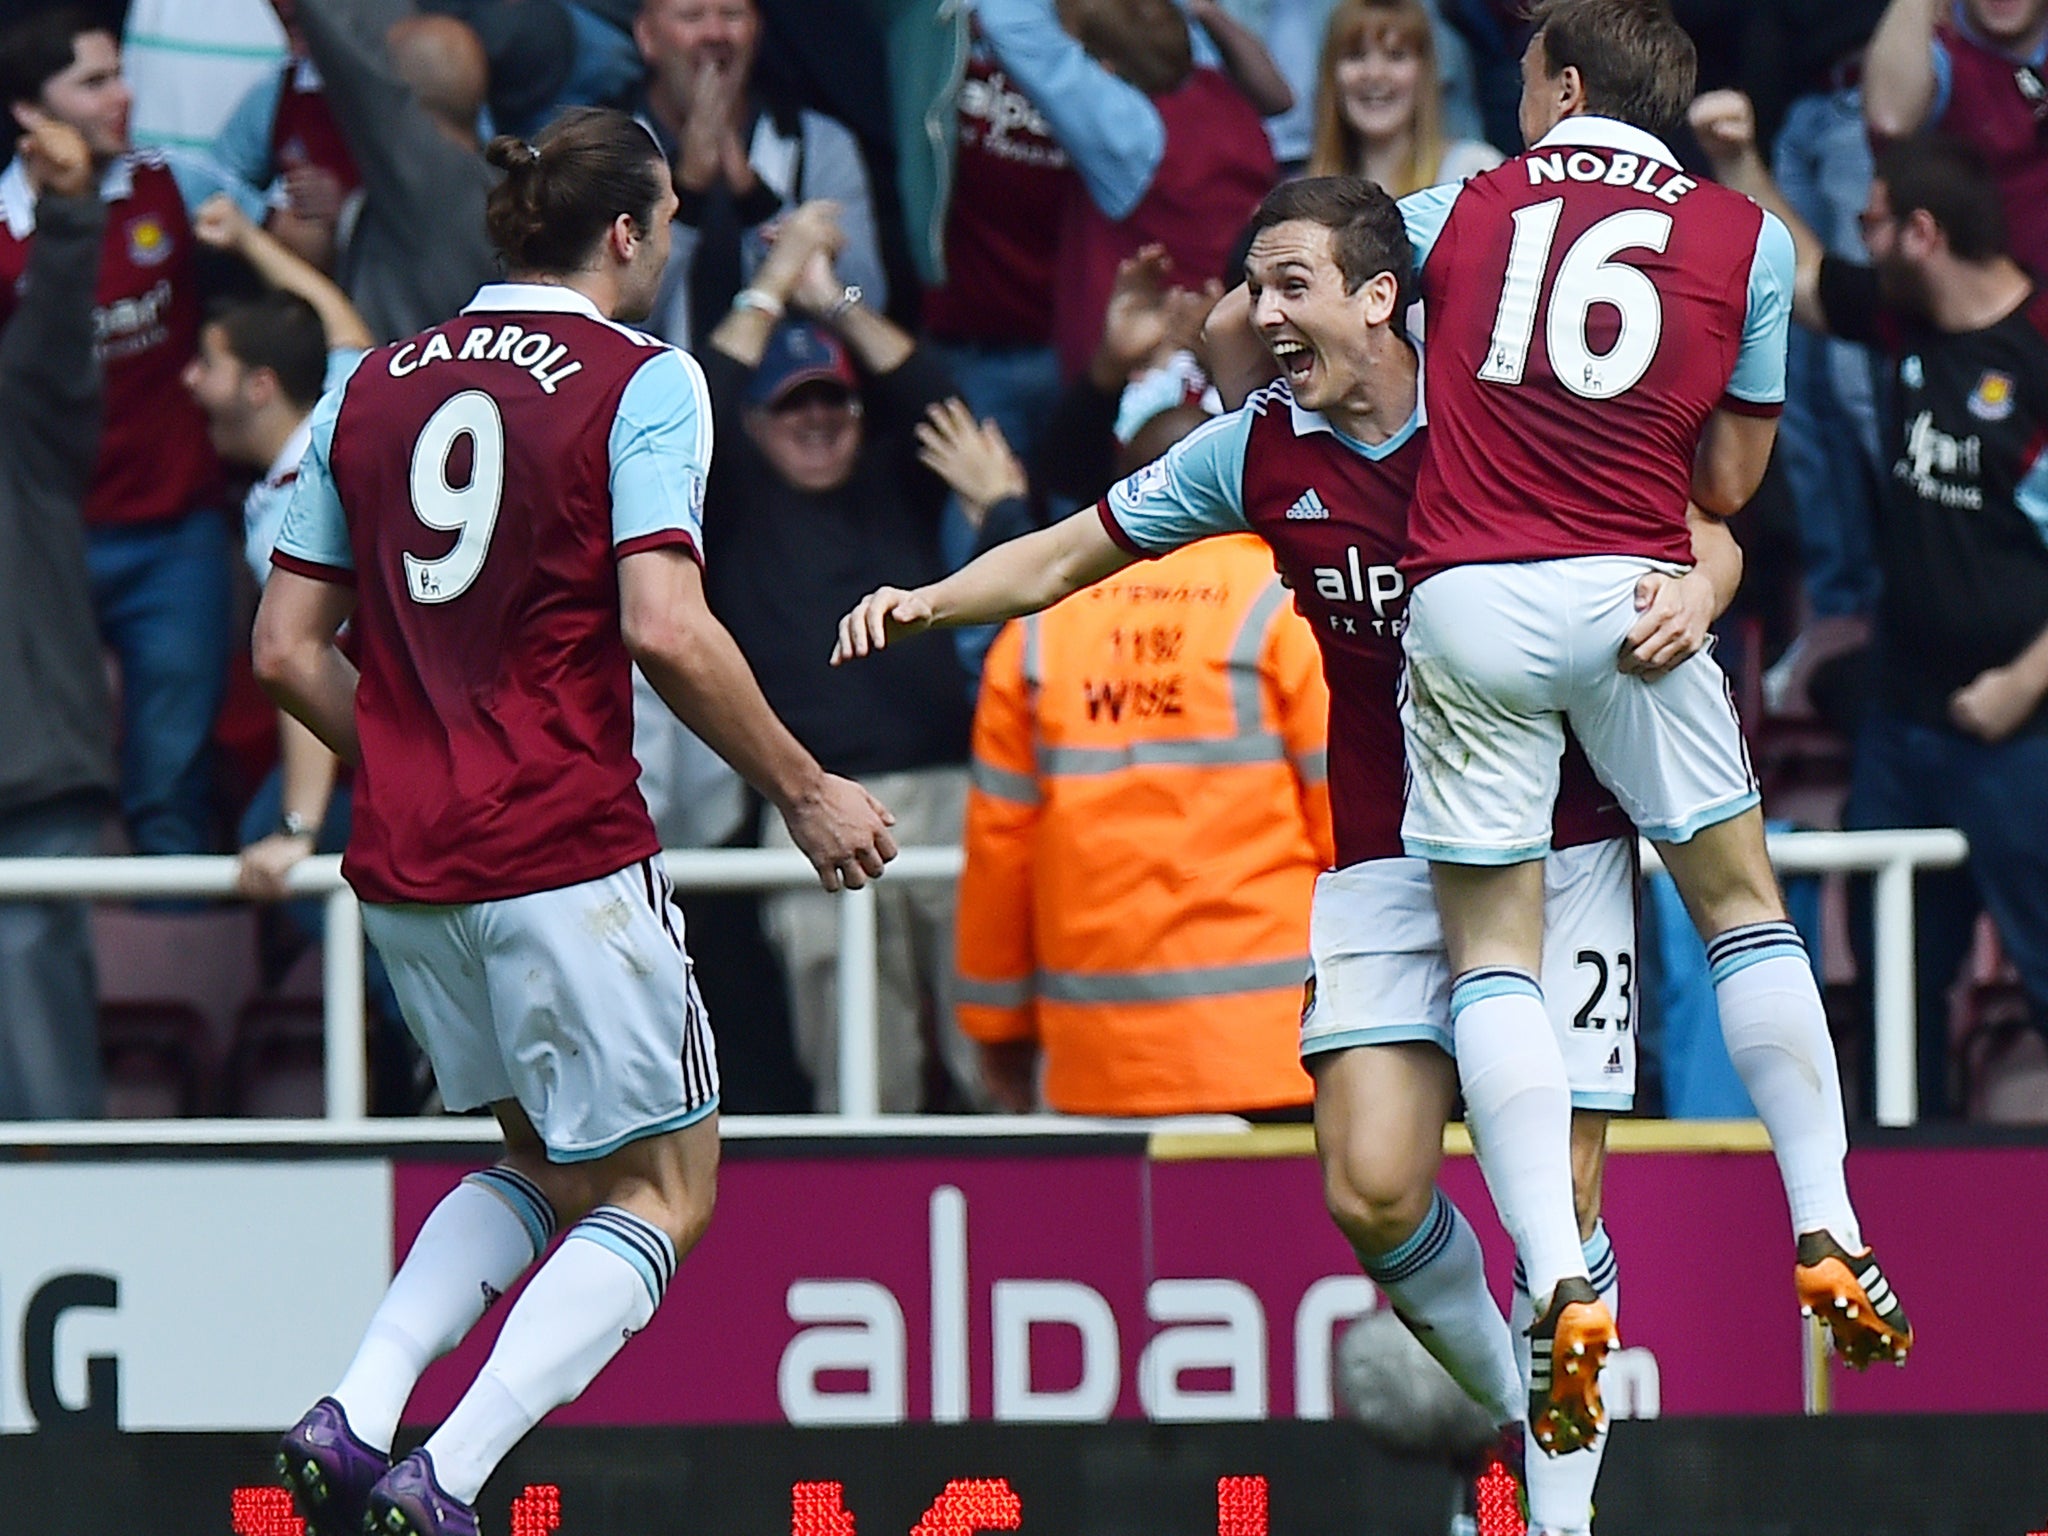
[[1637, 63], [560, 193], [1365, 224], [1947, 179]]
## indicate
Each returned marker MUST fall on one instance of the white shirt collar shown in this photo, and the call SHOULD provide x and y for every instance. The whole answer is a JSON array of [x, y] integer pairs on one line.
[[119, 180], [18, 198], [285, 467], [18, 201], [512, 297], [1306, 421], [1593, 132]]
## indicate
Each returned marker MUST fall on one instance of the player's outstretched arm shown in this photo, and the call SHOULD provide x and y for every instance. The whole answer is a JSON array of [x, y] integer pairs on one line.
[[697, 668], [1022, 576], [295, 659], [1725, 124]]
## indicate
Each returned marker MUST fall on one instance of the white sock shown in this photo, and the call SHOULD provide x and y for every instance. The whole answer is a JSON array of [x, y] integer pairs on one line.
[[1518, 1104], [1777, 1035], [474, 1245], [1561, 1487], [599, 1289], [1436, 1283]]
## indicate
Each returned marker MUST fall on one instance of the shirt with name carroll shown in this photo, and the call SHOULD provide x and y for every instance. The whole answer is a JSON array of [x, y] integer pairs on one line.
[[1962, 536], [478, 484]]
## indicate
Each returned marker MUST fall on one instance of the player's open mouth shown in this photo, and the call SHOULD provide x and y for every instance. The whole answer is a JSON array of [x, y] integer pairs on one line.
[[1295, 360]]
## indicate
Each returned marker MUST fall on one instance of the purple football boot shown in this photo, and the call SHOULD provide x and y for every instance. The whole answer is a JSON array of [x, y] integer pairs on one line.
[[408, 1502], [329, 1471]]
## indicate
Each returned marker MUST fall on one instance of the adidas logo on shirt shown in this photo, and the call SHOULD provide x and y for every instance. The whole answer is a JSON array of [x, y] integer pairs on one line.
[[1308, 508], [1614, 1063]]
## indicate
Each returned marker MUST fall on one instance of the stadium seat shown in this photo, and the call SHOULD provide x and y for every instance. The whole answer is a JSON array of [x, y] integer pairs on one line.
[[170, 985], [154, 1056], [1802, 762], [2001, 1050], [276, 1069]]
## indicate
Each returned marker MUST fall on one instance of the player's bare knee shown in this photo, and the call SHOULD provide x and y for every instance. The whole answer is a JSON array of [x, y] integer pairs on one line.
[[670, 1181], [566, 1186], [1375, 1207]]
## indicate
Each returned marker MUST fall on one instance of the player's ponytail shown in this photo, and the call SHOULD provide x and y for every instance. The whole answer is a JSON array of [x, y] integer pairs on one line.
[[512, 215], [510, 154], [560, 193]]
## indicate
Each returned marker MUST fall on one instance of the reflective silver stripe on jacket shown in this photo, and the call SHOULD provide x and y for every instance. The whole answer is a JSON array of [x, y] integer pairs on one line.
[[1247, 693], [1171, 986], [992, 994], [1002, 784], [1193, 751]]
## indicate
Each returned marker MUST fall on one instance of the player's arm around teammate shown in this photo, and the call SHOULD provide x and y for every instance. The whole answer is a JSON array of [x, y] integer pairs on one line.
[[1379, 1186], [1677, 611], [1609, 72]]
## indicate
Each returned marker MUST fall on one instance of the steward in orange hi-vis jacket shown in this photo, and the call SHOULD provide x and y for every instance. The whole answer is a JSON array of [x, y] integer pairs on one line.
[[1149, 814]]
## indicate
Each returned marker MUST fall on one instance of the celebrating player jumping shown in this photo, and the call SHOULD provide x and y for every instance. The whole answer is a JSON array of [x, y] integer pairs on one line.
[[1322, 467], [1607, 341]]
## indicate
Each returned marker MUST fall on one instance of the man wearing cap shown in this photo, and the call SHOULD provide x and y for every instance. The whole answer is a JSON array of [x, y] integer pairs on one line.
[[817, 497]]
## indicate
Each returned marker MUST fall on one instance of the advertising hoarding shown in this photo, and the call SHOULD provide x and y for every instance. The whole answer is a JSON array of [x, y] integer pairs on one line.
[[882, 1287], [184, 1295], [1072, 1280]]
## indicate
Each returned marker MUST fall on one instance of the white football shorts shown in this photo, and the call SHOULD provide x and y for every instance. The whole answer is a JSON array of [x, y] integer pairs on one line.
[[578, 1002], [1380, 974], [1499, 656]]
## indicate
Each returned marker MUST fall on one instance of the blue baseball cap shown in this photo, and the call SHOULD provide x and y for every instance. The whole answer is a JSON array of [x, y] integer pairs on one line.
[[799, 352]]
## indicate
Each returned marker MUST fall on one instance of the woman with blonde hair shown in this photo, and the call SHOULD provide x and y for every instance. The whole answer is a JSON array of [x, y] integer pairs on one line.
[[1379, 102]]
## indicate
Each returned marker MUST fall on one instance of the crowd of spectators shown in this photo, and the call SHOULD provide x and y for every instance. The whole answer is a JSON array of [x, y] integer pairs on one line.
[[931, 316]]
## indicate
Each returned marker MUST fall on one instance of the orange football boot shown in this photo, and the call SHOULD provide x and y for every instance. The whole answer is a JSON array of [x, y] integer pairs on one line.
[[1850, 1294], [1567, 1346]]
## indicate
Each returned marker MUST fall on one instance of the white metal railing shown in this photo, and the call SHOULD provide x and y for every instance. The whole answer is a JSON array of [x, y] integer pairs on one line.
[[1891, 856]]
